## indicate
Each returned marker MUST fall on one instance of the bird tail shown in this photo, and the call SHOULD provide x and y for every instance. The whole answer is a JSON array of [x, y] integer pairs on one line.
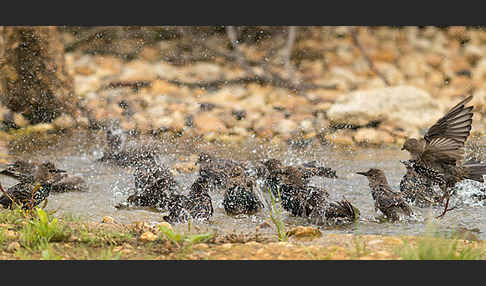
[[342, 210], [474, 170]]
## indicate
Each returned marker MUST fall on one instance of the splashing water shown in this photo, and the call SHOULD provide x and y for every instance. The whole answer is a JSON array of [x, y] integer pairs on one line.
[[110, 185]]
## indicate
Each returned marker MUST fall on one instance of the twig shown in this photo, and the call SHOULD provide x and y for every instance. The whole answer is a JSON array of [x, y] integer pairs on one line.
[[288, 51], [96, 33], [354, 36], [135, 85], [275, 81], [231, 32]]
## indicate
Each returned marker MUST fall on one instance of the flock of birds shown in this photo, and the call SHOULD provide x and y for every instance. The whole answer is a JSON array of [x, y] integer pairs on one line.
[[436, 160]]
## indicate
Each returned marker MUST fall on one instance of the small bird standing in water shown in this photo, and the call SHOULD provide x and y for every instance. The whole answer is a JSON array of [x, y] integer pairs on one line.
[[389, 202], [240, 197], [117, 150], [299, 175], [301, 199], [439, 155], [197, 205], [418, 189], [217, 170], [32, 189], [154, 185], [62, 182], [320, 210]]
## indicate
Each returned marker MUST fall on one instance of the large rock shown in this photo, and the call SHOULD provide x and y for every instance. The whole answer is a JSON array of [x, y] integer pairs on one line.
[[402, 106]]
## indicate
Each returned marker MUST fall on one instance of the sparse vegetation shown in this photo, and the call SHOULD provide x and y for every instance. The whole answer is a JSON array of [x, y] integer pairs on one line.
[[360, 247], [276, 215], [184, 240], [41, 230], [436, 246]]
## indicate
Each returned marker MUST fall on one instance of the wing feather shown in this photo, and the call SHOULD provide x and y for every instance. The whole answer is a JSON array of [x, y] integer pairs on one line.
[[455, 124]]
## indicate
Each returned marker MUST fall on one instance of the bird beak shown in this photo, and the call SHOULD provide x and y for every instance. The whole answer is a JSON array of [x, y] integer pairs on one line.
[[362, 173], [58, 171]]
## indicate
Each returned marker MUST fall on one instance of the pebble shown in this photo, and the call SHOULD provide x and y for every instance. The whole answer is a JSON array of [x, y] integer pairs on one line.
[[108, 219], [148, 236], [13, 246]]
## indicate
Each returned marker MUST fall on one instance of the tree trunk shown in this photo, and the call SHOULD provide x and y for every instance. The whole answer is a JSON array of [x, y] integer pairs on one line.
[[33, 74]]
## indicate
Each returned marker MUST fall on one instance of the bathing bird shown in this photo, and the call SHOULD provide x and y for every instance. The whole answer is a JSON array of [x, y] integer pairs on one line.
[[61, 182], [240, 197], [32, 189], [389, 202], [439, 155], [196, 205]]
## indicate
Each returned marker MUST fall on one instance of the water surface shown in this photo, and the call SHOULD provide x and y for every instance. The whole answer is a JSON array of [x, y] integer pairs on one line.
[[110, 185]]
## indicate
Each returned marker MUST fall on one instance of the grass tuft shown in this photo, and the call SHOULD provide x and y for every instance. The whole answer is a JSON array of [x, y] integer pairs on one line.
[[276, 216], [436, 246], [41, 230], [181, 239]]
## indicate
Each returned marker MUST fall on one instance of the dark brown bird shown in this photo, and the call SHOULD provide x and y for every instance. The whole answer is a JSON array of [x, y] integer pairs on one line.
[[32, 189], [321, 210], [287, 186], [240, 197], [217, 170], [440, 154], [117, 150], [418, 189], [62, 182], [306, 170], [197, 205], [312, 169], [389, 202], [154, 185], [342, 212]]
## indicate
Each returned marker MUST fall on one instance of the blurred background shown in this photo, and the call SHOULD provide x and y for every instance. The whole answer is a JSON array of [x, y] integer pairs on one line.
[[343, 86]]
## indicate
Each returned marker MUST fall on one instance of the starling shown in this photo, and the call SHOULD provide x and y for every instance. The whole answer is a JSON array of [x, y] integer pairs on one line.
[[116, 137], [197, 205], [418, 189], [217, 170], [389, 202], [154, 185], [321, 210], [341, 212], [32, 189], [311, 169], [118, 152], [287, 186], [306, 170], [440, 154], [240, 198], [61, 182], [299, 174]]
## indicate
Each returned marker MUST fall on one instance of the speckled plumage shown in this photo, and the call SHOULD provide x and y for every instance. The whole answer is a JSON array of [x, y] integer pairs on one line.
[[440, 154], [240, 197], [32, 189], [217, 170], [418, 189], [61, 182], [197, 205], [118, 152], [389, 202], [154, 185]]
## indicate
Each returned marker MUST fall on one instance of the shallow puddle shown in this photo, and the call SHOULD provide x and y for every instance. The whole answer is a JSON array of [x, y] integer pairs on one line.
[[110, 185]]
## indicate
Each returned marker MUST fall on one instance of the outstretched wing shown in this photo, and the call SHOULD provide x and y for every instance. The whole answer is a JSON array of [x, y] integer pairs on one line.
[[444, 150], [455, 124]]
